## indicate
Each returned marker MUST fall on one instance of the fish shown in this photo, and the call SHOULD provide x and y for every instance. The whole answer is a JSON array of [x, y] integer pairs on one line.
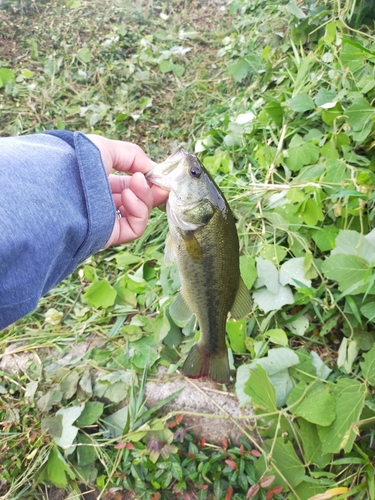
[[203, 241]]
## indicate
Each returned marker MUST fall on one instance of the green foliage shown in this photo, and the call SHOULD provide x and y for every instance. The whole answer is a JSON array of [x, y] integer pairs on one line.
[[292, 149]]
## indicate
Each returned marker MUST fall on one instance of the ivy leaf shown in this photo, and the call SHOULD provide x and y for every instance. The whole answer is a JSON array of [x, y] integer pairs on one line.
[[301, 103], [312, 446], [268, 275], [303, 154], [236, 331], [114, 386], [317, 405], [325, 237], [58, 469], [277, 336], [146, 352], [289, 466], [269, 301], [260, 389], [353, 243], [84, 55], [368, 367], [349, 271], [100, 294], [350, 398], [165, 66], [239, 70], [90, 414], [359, 113], [276, 365], [248, 270], [69, 431], [324, 97], [293, 270], [6, 75], [86, 452]]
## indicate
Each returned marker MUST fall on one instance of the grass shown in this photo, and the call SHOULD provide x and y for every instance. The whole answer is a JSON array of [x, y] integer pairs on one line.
[[281, 113]]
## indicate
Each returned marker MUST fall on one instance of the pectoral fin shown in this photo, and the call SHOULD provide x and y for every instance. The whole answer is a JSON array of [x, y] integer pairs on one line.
[[242, 303], [179, 310], [169, 255]]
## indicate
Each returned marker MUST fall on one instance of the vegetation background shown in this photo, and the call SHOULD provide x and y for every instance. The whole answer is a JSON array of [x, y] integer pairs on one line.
[[277, 100]]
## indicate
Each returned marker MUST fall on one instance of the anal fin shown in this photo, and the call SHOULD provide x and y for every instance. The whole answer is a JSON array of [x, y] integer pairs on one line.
[[179, 310], [169, 255]]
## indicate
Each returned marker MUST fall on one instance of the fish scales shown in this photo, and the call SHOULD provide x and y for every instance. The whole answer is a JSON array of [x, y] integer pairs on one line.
[[209, 284]]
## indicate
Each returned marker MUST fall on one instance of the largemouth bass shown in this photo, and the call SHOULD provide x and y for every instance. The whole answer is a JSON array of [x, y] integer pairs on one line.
[[204, 242]]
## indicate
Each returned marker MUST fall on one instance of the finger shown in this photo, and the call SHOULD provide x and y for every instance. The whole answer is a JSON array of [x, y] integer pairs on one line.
[[122, 156], [118, 183], [128, 157], [159, 195]]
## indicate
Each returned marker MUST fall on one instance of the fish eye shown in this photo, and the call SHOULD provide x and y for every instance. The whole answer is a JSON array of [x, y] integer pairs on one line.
[[196, 171]]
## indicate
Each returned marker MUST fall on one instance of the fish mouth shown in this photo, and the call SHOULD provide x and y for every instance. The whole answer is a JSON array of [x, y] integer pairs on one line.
[[164, 173]]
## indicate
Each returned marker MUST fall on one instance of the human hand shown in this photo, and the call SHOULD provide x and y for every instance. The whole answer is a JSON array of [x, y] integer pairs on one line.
[[133, 195]]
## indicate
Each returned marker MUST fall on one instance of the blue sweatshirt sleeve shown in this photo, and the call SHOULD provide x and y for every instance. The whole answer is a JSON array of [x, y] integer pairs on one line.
[[56, 209]]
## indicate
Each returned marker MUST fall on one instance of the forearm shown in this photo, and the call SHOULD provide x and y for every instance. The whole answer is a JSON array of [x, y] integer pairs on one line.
[[56, 209]]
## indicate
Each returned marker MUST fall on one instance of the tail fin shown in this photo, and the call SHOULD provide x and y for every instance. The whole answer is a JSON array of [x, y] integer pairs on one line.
[[200, 364]]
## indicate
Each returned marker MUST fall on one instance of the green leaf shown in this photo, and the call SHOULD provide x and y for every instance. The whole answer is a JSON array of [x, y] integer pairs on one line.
[[303, 154], [329, 116], [301, 103], [58, 469], [165, 66], [368, 367], [274, 253], [161, 327], [275, 111], [52, 425], [359, 113], [248, 270], [146, 352], [312, 447], [352, 57], [317, 405], [295, 11], [285, 459], [100, 294], [69, 431], [114, 386], [125, 259], [116, 422], [325, 237], [86, 451], [178, 70], [260, 389], [276, 365], [84, 55], [312, 213], [350, 398], [236, 331], [69, 384], [325, 96], [6, 75], [90, 414], [353, 243], [269, 301], [293, 270], [277, 336], [239, 70], [349, 271], [26, 73]]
